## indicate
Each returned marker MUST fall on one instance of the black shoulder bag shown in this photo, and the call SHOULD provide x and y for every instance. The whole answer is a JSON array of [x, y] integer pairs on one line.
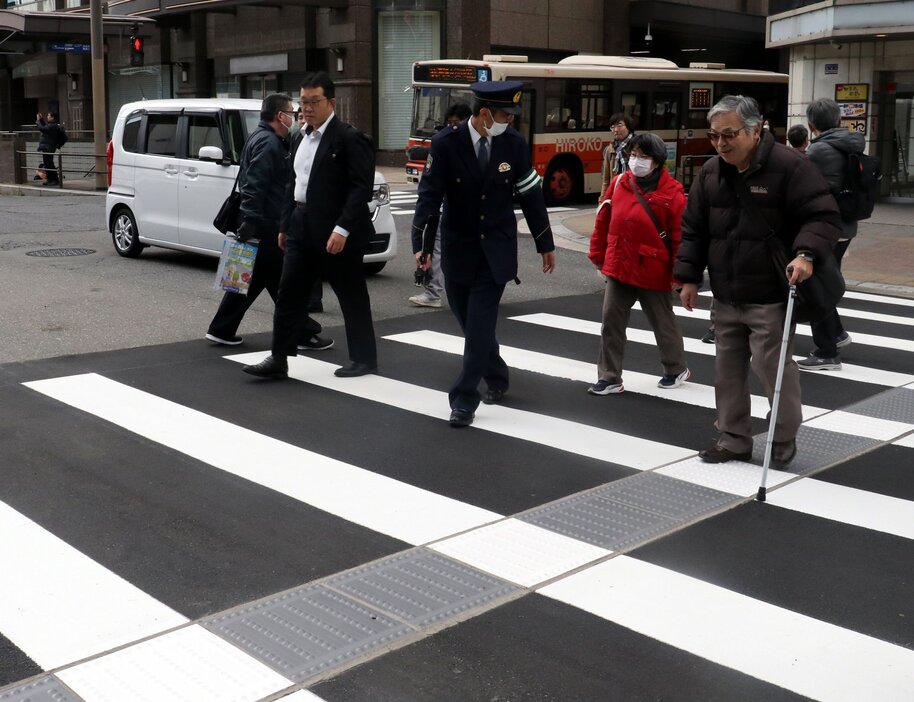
[[664, 237], [226, 219], [818, 294]]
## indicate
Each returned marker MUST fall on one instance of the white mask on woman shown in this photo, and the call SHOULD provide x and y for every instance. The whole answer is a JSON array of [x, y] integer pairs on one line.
[[640, 166]]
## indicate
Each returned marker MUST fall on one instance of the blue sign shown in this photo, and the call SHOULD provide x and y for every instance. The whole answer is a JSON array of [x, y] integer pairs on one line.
[[831, 69], [68, 48]]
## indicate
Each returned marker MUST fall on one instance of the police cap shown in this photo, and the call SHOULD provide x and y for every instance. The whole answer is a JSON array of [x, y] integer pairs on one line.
[[500, 94]]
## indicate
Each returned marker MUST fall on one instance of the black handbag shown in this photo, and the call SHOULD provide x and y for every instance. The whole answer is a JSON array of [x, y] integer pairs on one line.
[[227, 219], [817, 295]]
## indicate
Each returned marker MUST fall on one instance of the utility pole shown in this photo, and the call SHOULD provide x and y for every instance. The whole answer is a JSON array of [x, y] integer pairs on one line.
[[99, 120]]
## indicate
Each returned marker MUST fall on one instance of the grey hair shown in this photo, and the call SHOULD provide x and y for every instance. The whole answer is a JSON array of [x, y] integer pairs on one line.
[[651, 146], [823, 114], [746, 108]]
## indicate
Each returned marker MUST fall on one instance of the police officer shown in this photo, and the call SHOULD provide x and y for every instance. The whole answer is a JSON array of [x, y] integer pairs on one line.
[[476, 168]]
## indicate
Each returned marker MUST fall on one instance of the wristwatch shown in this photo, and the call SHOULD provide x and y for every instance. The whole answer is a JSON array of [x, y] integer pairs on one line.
[[805, 254]]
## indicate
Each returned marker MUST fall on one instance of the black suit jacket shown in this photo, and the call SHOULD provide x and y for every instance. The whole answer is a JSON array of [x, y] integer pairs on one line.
[[340, 186]]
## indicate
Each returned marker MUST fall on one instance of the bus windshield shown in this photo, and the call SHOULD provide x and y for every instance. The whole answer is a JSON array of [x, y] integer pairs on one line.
[[430, 106]]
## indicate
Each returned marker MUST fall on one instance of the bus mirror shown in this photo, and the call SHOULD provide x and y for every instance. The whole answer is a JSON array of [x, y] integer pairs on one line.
[[417, 153]]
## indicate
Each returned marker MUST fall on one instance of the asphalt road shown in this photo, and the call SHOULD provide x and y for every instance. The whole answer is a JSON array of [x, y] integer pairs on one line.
[[52, 306]]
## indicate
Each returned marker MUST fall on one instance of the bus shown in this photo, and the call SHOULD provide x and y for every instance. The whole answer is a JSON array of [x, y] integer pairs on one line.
[[567, 106]]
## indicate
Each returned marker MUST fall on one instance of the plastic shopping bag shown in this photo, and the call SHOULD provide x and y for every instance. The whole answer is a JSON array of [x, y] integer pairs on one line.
[[236, 265]]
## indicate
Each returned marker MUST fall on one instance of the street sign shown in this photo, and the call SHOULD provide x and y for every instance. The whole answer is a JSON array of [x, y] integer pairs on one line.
[[69, 48]]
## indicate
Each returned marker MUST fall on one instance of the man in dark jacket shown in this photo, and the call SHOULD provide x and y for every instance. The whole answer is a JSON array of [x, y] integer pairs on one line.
[[754, 188], [265, 170], [828, 151], [48, 143]]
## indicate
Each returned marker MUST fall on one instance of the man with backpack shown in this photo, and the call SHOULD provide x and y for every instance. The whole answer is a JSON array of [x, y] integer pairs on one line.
[[830, 149], [52, 138]]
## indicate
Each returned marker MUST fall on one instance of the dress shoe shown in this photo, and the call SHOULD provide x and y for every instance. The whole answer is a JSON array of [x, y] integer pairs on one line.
[[783, 452], [276, 367], [315, 343], [719, 454], [354, 370], [494, 397], [461, 418]]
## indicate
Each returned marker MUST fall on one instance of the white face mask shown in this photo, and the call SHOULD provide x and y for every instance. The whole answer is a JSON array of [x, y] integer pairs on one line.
[[640, 166], [496, 129]]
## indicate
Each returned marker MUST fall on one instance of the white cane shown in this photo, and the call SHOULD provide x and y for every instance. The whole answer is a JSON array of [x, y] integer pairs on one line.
[[791, 296]]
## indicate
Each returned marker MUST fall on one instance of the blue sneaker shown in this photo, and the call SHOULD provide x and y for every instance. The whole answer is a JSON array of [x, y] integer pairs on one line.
[[670, 381]]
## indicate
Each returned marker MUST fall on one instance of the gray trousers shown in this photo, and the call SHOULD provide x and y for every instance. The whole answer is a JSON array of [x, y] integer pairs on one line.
[[750, 336], [617, 308]]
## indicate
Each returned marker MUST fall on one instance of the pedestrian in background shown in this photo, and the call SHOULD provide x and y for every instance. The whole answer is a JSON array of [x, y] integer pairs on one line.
[[476, 170], [615, 155], [264, 173], [634, 242], [431, 295], [325, 230], [754, 189], [50, 140], [798, 137], [828, 150]]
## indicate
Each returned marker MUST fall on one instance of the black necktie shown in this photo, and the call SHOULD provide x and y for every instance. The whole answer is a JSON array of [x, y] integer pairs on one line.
[[483, 154]]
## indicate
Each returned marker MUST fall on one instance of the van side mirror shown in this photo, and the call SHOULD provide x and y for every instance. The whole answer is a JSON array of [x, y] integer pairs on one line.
[[210, 153]]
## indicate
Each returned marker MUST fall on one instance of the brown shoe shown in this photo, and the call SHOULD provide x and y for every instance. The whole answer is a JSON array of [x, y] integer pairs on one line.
[[719, 454], [783, 452]]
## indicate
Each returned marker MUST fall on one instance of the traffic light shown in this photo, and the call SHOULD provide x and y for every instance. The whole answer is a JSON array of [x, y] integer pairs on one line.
[[136, 50]]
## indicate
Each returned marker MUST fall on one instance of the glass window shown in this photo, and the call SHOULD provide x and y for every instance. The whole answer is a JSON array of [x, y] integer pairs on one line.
[[633, 106], [160, 134], [431, 104], [240, 125], [202, 130], [665, 111], [131, 133]]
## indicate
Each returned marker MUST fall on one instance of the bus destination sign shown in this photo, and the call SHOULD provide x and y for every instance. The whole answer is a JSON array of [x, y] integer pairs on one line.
[[450, 73]]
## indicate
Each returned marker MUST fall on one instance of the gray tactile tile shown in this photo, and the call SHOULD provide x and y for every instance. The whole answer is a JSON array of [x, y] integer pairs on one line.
[[665, 495], [47, 689], [421, 587], [817, 448], [896, 405], [306, 631]]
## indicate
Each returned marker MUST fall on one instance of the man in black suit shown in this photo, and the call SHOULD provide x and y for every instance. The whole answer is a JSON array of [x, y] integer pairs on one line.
[[476, 169], [325, 230]]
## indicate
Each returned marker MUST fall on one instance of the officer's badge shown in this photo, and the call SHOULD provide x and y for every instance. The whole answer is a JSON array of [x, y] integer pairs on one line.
[[516, 97], [504, 167], [428, 163]]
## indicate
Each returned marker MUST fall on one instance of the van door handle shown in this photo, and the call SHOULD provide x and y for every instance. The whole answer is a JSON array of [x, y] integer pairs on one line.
[[192, 173], [171, 170]]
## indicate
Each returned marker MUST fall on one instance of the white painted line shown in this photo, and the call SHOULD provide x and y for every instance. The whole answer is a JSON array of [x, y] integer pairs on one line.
[[573, 437], [691, 393], [860, 425], [734, 477], [382, 504], [884, 299], [785, 648], [519, 552], [58, 605], [848, 505], [187, 665], [849, 371], [906, 441]]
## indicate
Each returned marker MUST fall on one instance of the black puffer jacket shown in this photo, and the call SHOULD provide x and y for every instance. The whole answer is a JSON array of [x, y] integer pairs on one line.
[[792, 200], [50, 135], [265, 170], [829, 152]]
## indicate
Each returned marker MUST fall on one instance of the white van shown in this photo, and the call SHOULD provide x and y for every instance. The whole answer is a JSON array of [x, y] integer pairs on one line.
[[172, 163]]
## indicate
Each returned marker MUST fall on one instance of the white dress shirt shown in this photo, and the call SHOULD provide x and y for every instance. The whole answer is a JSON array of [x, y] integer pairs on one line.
[[304, 160]]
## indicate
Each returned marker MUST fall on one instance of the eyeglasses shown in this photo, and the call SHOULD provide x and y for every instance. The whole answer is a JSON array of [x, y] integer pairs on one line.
[[288, 112], [617, 125], [729, 135], [311, 103]]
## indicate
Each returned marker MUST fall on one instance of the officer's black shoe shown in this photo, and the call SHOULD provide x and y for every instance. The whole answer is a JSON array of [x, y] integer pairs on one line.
[[275, 367], [461, 418], [494, 397], [354, 370]]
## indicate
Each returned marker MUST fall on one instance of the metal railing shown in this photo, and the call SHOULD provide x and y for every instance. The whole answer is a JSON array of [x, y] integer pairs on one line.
[[689, 167], [76, 166]]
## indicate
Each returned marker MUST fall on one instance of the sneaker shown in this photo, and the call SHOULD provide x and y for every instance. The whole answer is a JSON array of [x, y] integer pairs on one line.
[[604, 387], [315, 343], [671, 380], [425, 300], [708, 338], [813, 362], [229, 341], [843, 340]]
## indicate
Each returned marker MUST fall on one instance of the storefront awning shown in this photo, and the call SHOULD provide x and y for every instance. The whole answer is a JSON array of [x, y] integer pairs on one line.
[[51, 25]]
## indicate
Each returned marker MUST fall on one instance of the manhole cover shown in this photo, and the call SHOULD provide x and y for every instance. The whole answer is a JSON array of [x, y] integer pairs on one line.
[[61, 252]]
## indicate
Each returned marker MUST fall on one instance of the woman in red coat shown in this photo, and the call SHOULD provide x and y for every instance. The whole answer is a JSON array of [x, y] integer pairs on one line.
[[636, 255]]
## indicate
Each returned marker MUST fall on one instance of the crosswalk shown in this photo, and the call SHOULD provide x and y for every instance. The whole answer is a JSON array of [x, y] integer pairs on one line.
[[403, 202], [172, 530]]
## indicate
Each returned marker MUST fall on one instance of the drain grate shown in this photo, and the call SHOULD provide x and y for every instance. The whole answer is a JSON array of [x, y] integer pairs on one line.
[[53, 253]]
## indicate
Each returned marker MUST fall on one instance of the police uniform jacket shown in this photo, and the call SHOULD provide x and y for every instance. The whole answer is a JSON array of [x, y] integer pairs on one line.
[[478, 219]]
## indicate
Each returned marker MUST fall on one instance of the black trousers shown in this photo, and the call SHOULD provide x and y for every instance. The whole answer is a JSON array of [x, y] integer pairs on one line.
[[826, 331], [306, 260], [47, 163], [266, 275], [476, 307]]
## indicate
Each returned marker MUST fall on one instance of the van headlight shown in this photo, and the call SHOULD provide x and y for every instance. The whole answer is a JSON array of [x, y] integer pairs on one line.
[[381, 194]]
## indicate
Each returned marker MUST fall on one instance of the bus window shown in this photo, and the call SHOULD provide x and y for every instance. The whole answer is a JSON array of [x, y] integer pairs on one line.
[[633, 106], [595, 106], [556, 114], [430, 106], [665, 111]]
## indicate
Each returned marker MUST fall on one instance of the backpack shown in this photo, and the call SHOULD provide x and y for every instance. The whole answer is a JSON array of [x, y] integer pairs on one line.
[[860, 189], [62, 137]]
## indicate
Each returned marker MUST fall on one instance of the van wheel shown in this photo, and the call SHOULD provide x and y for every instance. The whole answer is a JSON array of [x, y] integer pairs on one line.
[[563, 182], [124, 234], [373, 268]]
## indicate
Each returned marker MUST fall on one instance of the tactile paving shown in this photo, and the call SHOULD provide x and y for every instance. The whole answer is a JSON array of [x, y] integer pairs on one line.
[[818, 448], [421, 587], [304, 631], [47, 689], [896, 405]]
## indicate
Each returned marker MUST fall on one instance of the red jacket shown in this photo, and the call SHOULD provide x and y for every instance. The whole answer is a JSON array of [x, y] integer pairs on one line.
[[625, 244]]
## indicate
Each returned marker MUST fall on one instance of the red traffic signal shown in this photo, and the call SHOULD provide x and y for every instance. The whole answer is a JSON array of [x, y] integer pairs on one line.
[[136, 51], [137, 45]]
